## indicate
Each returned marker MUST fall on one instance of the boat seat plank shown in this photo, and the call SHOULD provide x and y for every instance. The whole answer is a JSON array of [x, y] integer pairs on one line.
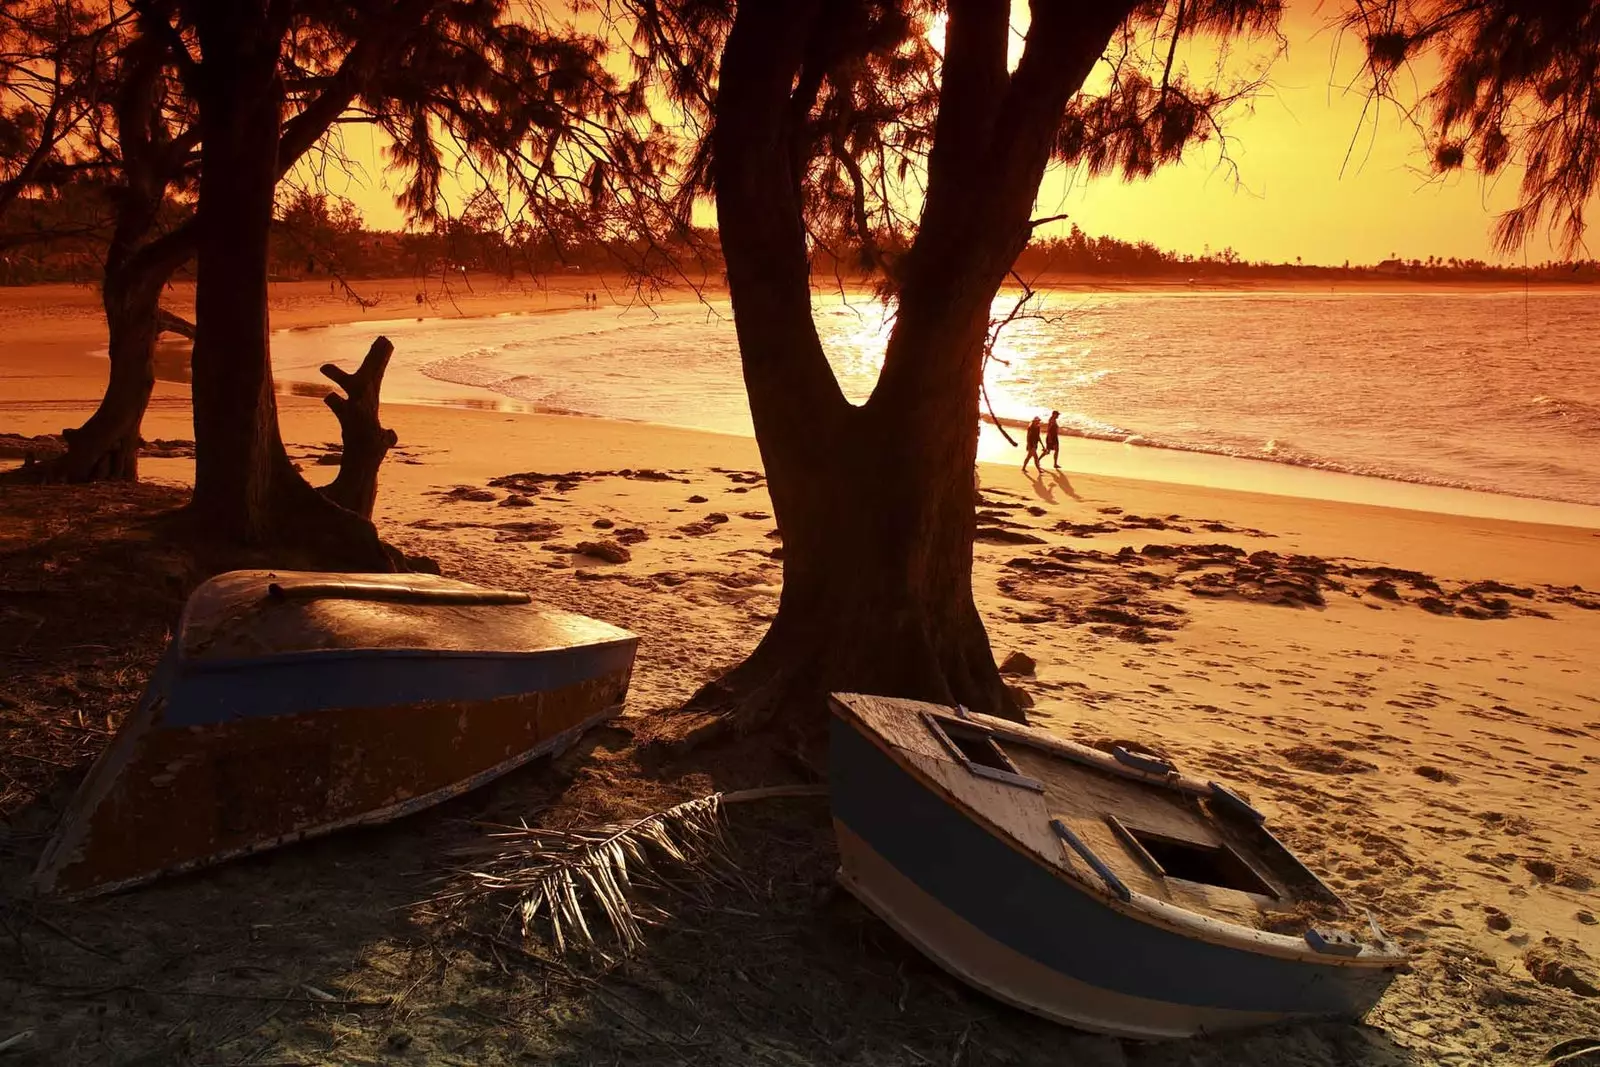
[[1081, 791]]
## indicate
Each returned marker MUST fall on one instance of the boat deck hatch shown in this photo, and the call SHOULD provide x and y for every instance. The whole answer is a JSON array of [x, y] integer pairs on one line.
[[1193, 861], [975, 747], [979, 749]]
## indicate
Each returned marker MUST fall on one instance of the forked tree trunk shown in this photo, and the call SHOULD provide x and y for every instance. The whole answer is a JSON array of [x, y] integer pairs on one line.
[[246, 490], [876, 503]]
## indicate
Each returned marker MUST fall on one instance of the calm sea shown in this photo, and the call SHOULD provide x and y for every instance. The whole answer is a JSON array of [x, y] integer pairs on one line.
[[1494, 391]]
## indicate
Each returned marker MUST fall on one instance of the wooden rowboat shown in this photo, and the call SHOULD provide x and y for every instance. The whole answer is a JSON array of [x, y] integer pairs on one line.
[[291, 704], [1102, 890]]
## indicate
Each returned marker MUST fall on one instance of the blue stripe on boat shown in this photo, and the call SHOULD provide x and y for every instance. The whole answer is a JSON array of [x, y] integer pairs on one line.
[[1025, 907], [220, 691]]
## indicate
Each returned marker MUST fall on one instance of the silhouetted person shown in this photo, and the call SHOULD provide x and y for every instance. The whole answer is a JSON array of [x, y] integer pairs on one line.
[[1052, 441], [1033, 446]]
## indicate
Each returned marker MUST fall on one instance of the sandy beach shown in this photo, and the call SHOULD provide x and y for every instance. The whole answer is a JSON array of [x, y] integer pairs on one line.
[[1410, 696]]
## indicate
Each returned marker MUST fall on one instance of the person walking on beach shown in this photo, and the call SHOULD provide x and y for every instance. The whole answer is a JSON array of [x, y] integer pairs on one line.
[[1033, 446], [1052, 441]]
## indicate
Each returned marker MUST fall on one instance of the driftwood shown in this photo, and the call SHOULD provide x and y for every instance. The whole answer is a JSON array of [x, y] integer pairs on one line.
[[167, 322], [366, 442]]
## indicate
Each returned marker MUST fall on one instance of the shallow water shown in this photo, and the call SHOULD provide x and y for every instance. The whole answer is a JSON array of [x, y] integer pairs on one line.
[[1495, 391]]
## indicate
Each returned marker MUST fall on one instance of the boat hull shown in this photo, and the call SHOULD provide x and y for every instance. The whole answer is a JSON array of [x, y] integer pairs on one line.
[[226, 758], [1004, 922]]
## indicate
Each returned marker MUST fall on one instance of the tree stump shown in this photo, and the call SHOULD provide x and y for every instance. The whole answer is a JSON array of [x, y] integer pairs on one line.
[[366, 442]]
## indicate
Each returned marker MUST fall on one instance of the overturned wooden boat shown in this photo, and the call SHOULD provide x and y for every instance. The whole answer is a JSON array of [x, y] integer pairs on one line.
[[291, 704], [1099, 889]]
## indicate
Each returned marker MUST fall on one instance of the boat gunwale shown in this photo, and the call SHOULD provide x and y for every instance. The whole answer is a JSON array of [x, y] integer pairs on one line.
[[1139, 906], [1033, 737], [200, 664]]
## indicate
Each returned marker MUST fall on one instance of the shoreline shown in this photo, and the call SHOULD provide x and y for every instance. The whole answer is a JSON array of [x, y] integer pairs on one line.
[[69, 345]]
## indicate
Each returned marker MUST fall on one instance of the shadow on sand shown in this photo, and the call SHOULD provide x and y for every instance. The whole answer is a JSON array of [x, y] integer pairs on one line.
[[1045, 486]]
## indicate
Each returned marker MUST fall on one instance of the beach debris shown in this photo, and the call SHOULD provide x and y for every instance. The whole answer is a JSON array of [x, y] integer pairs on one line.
[[563, 878], [1574, 1052], [705, 525], [1084, 529], [1023, 698], [469, 492], [534, 530], [31, 449], [1322, 760], [529, 482], [999, 535], [1018, 663], [609, 551], [15, 1040], [1548, 964]]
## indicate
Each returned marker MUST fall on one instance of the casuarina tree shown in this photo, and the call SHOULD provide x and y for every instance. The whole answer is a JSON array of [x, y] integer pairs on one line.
[[853, 117], [54, 59], [439, 77], [1518, 88]]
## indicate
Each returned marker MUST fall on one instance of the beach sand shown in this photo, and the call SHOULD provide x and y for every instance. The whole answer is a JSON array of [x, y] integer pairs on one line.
[[1411, 698]]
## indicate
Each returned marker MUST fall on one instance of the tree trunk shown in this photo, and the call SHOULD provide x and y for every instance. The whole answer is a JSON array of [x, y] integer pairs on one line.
[[107, 446], [247, 492], [877, 576]]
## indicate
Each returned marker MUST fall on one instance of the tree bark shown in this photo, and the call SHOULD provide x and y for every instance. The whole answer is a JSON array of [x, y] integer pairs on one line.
[[877, 580], [247, 492]]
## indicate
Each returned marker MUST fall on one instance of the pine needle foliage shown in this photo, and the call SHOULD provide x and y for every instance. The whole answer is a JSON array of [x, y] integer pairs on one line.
[[575, 883]]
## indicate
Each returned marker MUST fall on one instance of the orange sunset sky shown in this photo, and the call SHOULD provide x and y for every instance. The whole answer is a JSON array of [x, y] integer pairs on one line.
[[1294, 193]]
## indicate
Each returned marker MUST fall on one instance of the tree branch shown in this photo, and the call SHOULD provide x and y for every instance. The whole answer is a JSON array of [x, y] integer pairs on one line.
[[759, 211]]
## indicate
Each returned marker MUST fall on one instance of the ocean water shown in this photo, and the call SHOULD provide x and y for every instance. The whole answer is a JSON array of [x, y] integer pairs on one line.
[[1491, 391]]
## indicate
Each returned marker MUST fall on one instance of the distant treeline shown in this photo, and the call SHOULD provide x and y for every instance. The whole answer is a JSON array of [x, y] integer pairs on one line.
[[319, 236]]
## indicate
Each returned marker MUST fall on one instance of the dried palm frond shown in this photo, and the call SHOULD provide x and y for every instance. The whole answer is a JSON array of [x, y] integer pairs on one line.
[[560, 875]]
